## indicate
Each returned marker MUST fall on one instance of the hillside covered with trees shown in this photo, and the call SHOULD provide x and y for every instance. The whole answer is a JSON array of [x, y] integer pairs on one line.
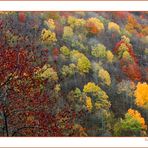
[[74, 74]]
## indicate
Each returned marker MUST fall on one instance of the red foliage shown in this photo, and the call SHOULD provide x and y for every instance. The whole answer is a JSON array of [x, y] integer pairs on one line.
[[55, 53], [132, 70], [121, 15], [22, 17], [26, 107], [130, 50]]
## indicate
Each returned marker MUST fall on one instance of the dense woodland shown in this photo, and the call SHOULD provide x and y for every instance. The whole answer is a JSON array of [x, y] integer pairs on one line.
[[74, 74]]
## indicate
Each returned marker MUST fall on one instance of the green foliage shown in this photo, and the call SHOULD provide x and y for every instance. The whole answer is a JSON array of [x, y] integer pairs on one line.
[[47, 72], [127, 127], [68, 33], [146, 51], [65, 51], [99, 51], [82, 62], [68, 70], [83, 65], [99, 97], [131, 125], [104, 76]]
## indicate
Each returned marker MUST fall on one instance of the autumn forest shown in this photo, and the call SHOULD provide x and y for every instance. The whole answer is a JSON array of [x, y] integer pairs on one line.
[[74, 74]]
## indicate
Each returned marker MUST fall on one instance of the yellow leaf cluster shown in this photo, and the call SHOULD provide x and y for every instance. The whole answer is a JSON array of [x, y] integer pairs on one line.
[[105, 76], [75, 55], [104, 95], [109, 56], [83, 63], [6, 12], [48, 36], [68, 32], [57, 88], [91, 87], [113, 27], [64, 50], [125, 39], [132, 25], [75, 22], [47, 72], [126, 56], [99, 51], [145, 30], [89, 103], [51, 24], [123, 48], [141, 94], [94, 25]]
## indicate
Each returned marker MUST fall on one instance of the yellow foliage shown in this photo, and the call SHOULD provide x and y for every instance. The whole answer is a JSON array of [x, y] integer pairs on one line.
[[122, 48], [141, 94], [71, 20], [136, 115], [132, 25], [6, 12], [94, 25], [114, 27], [83, 65], [89, 103], [99, 51], [75, 55], [64, 50], [51, 24], [91, 87], [145, 30], [47, 36], [75, 22], [97, 105], [68, 32], [127, 56], [104, 95], [47, 72], [57, 88], [105, 76], [146, 51], [109, 56], [125, 39]]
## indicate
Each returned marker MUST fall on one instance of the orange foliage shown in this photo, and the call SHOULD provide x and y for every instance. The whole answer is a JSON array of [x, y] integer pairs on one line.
[[133, 26], [136, 115], [141, 94], [94, 25]]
